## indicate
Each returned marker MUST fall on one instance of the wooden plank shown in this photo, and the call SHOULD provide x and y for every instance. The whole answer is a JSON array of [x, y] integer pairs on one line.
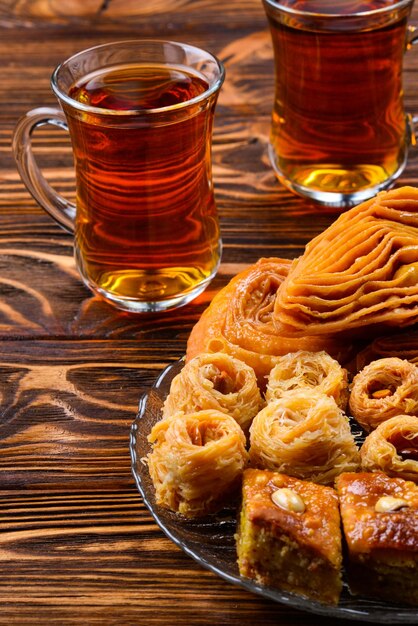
[[187, 14], [66, 409], [77, 545], [74, 529]]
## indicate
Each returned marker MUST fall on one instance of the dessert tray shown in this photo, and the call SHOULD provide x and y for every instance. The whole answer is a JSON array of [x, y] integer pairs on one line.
[[210, 541]]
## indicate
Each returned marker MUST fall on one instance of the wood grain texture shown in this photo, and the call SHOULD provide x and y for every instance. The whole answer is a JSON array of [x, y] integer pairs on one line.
[[77, 545]]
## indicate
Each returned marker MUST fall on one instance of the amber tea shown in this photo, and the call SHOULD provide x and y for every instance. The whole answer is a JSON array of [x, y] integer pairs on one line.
[[338, 124], [140, 117], [146, 217]]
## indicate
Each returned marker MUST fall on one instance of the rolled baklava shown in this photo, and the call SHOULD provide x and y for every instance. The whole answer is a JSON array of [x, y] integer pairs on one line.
[[383, 389], [308, 370], [216, 381], [240, 321], [304, 434], [393, 448], [197, 461]]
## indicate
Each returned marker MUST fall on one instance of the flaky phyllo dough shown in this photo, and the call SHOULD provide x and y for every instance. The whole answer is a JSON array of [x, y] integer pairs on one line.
[[360, 272], [403, 345], [197, 461], [383, 389], [239, 321], [307, 370], [216, 381], [303, 434], [393, 448]]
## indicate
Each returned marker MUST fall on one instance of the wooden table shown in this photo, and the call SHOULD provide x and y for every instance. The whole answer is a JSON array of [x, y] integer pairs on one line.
[[77, 545]]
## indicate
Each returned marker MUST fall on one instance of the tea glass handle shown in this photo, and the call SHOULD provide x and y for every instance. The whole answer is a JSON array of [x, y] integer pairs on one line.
[[411, 36], [62, 210]]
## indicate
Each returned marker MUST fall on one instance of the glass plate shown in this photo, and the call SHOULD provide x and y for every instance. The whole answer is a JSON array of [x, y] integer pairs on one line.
[[210, 541]]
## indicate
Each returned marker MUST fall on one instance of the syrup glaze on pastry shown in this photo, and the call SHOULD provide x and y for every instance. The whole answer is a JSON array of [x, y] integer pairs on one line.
[[239, 321], [358, 275], [383, 389], [393, 448], [216, 381], [304, 434], [380, 522], [403, 345], [308, 370], [289, 545], [197, 461]]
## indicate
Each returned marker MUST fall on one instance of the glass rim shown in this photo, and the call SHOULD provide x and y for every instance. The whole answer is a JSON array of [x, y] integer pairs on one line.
[[87, 108], [276, 4]]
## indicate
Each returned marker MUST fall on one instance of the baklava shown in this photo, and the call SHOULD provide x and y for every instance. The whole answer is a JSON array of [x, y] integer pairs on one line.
[[289, 535], [380, 522]]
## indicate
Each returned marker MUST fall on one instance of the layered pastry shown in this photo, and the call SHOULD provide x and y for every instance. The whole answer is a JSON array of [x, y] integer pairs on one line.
[[380, 523], [304, 434], [360, 274], [197, 461], [403, 345], [216, 381], [289, 535], [239, 321], [303, 369], [383, 389], [393, 448]]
